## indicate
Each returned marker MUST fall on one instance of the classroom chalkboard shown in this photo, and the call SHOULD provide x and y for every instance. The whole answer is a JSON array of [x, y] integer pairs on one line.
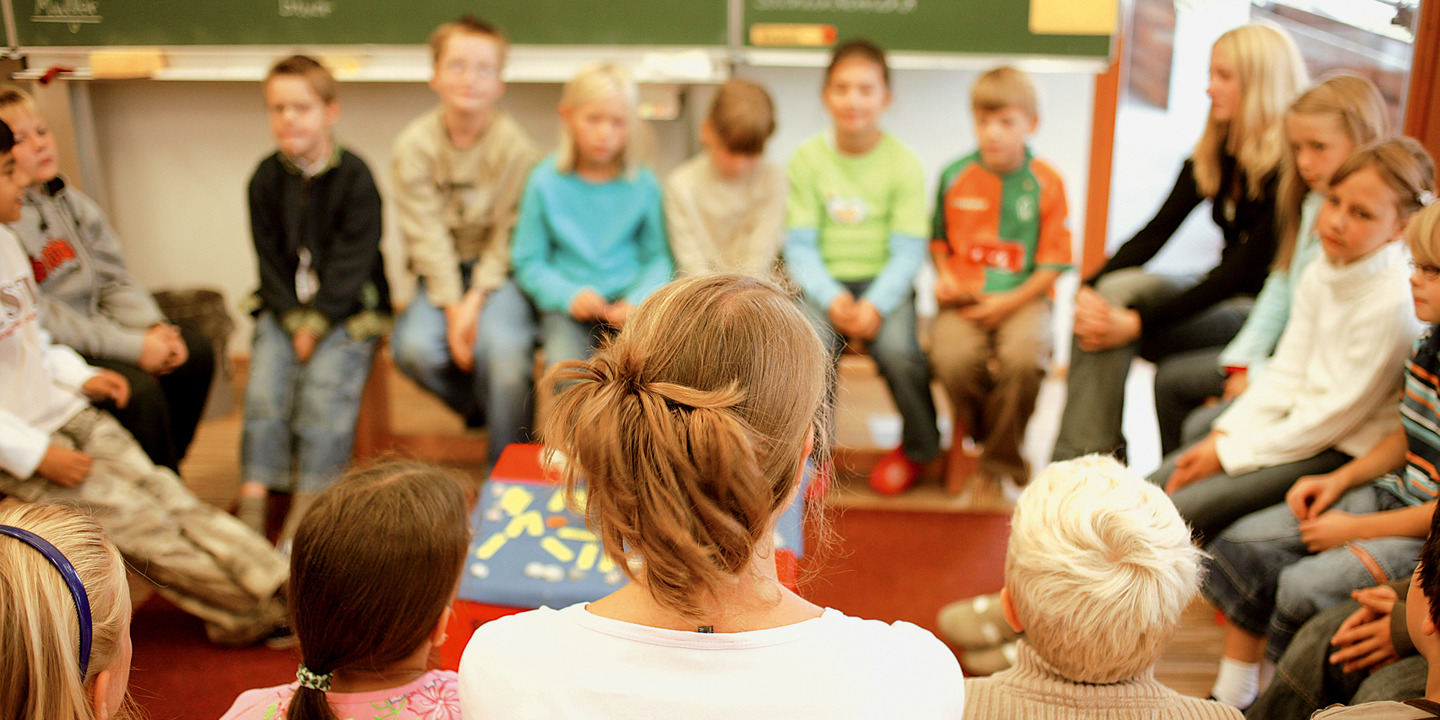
[[58, 23], [991, 27]]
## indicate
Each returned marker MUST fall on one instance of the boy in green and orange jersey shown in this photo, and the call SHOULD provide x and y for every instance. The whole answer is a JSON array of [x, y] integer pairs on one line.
[[1000, 242]]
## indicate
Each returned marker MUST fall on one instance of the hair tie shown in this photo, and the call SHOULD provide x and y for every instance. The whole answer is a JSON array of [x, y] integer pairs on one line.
[[1425, 197], [72, 579], [311, 680]]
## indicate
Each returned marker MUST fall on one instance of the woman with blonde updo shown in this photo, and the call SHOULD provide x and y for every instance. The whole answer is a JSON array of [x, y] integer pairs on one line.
[[691, 432]]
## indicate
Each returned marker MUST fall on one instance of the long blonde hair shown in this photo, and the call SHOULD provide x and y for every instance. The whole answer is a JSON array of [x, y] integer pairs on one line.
[[39, 625], [593, 83], [1357, 108], [1270, 72], [689, 430]]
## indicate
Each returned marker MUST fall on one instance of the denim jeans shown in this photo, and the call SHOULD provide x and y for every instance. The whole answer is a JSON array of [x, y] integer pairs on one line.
[[499, 390], [1095, 392], [1267, 583], [569, 339], [1305, 681], [1211, 504], [896, 350], [301, 415]]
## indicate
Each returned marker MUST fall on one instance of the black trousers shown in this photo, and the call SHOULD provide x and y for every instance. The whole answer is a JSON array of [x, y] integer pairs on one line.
[[163, 411]]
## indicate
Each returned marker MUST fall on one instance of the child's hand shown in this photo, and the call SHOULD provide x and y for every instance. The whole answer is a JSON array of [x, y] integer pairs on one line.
[[588, 306], [1364, 638], [618, 312], [1331, 529], [64, 466], [108, 385], [866, 321], [304, 342], [948, 292], [1310, 495], [462, 321], [155, 350], [989, 310], [842, 313], [1197, 463], [1235, 384]]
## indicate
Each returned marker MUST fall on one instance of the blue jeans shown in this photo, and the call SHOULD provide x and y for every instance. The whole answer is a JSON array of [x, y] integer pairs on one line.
[[301, 414], [896, 351], [569, 339], [1267, 583], [499, 390]]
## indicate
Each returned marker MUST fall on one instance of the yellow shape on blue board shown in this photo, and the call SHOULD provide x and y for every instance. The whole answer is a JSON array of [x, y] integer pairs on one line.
[[530, 522], [574, 533], [558, 549], [588, 553], [515, 500], [606, 564], [491, 546], [557, 501]]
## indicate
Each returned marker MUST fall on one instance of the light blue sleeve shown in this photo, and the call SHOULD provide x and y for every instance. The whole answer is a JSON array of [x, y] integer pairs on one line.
[[657, 264], [802, 256], [530, 253], [1256, 340], [897, 279]]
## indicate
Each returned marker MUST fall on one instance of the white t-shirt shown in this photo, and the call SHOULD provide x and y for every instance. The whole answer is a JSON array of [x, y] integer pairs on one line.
[[570, 663]]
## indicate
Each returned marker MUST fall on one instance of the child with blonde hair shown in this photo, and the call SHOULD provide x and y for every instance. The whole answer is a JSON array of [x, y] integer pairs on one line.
[[1349, 528], [1098, 571], [691, 431], [590, 243], [725, 208], [95, 305], [457, 171], [323, 301], [855, 238], [1322, 128], [1122, 311], [64, 617], [375, 565]]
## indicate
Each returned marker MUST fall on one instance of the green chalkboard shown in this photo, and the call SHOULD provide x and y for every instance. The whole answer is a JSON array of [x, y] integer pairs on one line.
[[52, 23], [992, 27]]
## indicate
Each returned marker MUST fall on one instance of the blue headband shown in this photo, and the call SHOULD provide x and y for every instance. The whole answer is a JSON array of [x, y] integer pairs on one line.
[[67, 571]]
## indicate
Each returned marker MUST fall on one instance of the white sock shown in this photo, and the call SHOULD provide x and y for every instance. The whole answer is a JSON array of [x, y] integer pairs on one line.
[[1237, 684]]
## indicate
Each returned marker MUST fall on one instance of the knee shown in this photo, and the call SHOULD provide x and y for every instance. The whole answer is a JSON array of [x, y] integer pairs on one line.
[[1298, 592], [1122, 286], [413, 354]]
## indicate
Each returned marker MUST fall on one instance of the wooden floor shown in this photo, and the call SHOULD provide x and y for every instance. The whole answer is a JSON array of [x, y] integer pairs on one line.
[[866, 424]]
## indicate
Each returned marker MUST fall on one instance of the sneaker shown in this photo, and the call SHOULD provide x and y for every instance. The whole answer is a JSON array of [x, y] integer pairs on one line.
[[894, 473], [976, 623], [991, 661]]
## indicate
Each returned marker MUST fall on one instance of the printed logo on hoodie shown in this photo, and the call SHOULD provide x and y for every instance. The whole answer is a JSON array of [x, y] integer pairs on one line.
[[55, 255]]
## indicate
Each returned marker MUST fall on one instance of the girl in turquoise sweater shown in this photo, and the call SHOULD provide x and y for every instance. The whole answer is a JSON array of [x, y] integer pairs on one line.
[[590, 242]]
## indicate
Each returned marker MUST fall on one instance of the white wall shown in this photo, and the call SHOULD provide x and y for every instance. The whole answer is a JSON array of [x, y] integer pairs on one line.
[[176, 156]]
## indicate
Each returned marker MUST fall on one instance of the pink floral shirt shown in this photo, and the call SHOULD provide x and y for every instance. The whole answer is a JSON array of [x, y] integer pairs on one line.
[[432, 696]]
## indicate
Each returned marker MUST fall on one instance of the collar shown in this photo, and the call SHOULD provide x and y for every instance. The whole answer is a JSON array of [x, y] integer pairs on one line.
[[1347, 281], [320, 167], [1031, 670]]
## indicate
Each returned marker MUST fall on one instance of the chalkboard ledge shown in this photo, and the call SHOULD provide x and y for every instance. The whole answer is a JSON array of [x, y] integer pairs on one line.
[[906, 60], [372, 63]]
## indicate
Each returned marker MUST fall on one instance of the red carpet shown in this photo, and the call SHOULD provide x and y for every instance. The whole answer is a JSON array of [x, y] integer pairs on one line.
[[888, 565]]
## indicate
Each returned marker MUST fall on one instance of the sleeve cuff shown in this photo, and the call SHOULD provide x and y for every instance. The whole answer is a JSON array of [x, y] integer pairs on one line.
[[24, 452], [306, 318]]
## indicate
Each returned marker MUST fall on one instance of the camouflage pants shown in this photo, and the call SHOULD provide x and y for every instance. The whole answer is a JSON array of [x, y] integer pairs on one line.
[[202, 559]]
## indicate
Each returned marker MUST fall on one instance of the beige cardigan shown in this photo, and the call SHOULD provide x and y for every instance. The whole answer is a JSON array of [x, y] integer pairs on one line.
[[1032, 689]]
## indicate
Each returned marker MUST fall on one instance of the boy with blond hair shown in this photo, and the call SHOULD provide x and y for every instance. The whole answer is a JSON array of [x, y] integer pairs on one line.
[[999, 242], [725, 208], [469, 334], [1097, 573]]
